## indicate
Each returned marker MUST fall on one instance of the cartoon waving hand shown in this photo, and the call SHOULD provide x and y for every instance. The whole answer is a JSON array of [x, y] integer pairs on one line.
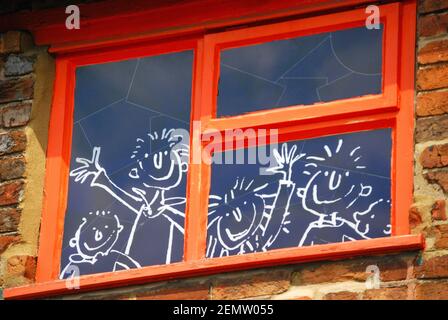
[[88, 168], [285, 161]]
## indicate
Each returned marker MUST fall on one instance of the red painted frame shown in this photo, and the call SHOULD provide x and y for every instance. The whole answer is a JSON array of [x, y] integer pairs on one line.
[[393, 108]]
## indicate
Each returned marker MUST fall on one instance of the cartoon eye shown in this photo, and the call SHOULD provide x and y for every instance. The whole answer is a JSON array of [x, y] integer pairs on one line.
[[326, 173], [347, 174], [245, 202], [165, 153], [106, 226], [94, 228], [134, 173]]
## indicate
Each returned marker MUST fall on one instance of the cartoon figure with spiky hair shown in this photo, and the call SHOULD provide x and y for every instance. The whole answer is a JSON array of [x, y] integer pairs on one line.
[[245, 219], [94, 240], [331, 195], [161, 164]]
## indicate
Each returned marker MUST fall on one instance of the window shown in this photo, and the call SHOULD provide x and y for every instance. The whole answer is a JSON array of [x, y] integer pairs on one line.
[[327, 101], [127, 117]]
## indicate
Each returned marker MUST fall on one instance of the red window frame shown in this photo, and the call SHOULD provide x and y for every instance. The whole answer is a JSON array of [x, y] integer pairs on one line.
[[393, 108]]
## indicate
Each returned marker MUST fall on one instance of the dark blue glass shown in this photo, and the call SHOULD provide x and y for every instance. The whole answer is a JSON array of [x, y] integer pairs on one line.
[[300, 71], [322, 190], [129, 160]]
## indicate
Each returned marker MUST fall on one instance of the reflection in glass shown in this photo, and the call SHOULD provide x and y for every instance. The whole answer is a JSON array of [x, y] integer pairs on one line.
[[300, 71]]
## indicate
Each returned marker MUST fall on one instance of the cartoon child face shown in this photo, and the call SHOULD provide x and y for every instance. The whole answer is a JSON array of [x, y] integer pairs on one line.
[[162, 169], [324, 188], [238, 219], [97, 233]]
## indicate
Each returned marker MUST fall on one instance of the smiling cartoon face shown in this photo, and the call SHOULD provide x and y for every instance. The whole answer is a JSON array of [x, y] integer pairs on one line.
[[239, 218], [163, 168], [97, 233], [330, 179], [325, 187], [236, 215]]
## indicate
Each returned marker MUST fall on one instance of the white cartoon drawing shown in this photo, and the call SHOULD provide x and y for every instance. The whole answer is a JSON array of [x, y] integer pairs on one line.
[[94, 240], [246, 219], [331, 196], [249, 217], [161, 161]]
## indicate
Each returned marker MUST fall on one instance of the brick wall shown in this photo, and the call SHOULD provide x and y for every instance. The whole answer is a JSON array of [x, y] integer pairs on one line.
[[411, 275], [16, 94], [26, 74]]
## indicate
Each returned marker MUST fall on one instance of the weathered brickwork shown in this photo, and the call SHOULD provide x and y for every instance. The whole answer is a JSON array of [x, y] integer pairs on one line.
[[17, 80], [410, 275]]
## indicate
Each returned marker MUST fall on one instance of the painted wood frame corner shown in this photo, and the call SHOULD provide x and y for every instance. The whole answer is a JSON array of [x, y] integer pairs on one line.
[[398, 114]]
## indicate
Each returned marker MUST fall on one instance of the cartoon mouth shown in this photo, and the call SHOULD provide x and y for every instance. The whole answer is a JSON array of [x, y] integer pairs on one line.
[[316, 198], [236, 236], [167, 176], [101, 245]]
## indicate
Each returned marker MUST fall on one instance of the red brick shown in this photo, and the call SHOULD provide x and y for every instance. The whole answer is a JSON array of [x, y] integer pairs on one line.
[[22, 266], [341, 295], [392, 268], [398, 293], [431, 128], [415, 217], [436, 51], [426, 6], [439, 177], [438, 211], [431, 268], [16, 115], [251, 285], [441, 234], [11, 192], [432, 103], [6, 241], [199, 292], [16, 89], [432, 77], [11, 142], [433, 25], [12, 168], [9, 219], [302, 298], [435, 156], [10, 42], [431, 291]]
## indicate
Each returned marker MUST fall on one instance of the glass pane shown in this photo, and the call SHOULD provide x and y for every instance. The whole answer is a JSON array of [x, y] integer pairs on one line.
[[126, 200], [300, 71], [318, 191]]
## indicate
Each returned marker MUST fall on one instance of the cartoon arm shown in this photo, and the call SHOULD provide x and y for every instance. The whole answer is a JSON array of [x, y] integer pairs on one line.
[[280, 207], [92, 169]]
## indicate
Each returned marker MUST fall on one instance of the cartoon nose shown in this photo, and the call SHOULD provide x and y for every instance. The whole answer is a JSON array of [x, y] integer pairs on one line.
[[237, 214], [335, 180], [98, 235]]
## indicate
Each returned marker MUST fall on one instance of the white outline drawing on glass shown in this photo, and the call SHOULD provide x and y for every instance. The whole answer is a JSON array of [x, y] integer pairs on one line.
[[316, 205], [261, 229], [94, 240], [154, 173]]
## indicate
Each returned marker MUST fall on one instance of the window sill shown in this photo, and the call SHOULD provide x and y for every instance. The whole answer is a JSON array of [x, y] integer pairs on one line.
[[218, 265]]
